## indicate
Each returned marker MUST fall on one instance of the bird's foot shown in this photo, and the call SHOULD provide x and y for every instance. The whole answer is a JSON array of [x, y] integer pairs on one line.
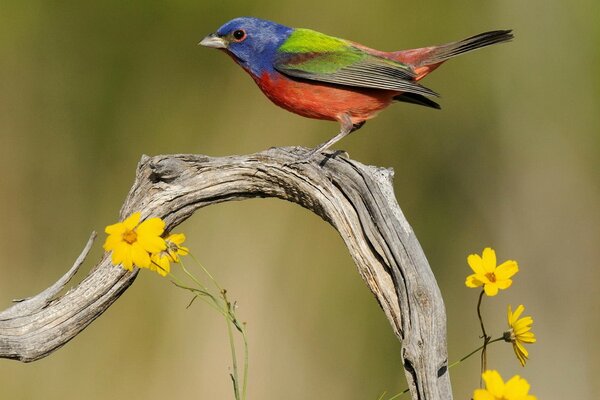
[[313, 154], [306, 159]]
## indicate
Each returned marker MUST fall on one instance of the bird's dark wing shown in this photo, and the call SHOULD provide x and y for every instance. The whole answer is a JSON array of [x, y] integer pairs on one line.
[[336, 61]]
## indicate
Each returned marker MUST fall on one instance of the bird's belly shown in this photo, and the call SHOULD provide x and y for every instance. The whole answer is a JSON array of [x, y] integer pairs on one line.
[[323, 101]]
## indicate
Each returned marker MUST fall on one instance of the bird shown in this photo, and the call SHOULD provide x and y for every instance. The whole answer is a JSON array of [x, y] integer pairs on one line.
[[325, 77]]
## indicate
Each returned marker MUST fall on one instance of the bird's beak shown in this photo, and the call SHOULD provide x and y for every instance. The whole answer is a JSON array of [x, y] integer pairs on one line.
[[213, 41]]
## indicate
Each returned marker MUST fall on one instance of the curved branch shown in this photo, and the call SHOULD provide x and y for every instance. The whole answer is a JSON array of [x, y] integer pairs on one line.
[[357, 200]]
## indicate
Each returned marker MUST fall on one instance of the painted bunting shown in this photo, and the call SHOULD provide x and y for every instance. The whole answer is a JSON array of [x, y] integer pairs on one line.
[[324, 77]]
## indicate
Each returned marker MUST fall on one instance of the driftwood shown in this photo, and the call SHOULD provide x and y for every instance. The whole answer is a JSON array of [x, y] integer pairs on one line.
[[357, 200]]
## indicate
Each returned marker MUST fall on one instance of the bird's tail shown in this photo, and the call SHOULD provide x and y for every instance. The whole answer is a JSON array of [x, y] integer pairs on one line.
[[427, 59]]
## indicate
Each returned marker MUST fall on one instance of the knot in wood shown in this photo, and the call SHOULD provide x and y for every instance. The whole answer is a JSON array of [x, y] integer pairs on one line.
[[165, 169]]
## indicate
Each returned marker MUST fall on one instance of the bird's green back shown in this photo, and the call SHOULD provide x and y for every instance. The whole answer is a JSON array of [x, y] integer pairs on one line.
[[308, 41], [331, 53]]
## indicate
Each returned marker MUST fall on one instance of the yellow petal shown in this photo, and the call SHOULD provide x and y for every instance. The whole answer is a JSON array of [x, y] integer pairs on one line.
[[160, 263], [116, 229], [518, 312], [524, 322], [522, 349], [509, 316], [476, 264], [489, 259], [516, 388], [151, 243], [116, 258], [173, 255], [523, 325], [472, 281], [503, 284], [152, 227], [140, 256], [490, 289], [111, 242], [122, 255], [132, 221], [493, 382], [507, 269], [527, 337], [177, 238], [481, 394], [183, 251], [521, 356], [164, 270]]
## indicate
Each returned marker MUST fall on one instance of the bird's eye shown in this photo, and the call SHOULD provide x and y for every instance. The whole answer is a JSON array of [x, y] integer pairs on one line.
[[239, 35]]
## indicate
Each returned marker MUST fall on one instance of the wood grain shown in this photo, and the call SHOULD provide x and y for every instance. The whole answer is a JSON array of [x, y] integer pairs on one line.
[[355, 199]]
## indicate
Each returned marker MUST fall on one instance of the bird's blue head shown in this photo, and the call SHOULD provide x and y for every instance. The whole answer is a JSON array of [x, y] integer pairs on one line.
[[251, 41]]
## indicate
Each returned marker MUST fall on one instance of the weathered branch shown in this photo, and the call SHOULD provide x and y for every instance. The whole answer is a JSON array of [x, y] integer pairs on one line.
[[357, 200]]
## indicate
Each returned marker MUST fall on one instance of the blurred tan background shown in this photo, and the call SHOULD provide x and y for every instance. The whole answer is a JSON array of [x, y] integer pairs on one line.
[[511, 162]]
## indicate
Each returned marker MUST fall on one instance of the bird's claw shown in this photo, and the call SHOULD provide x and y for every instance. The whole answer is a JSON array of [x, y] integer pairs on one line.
[[293, 163], [297, 162], [312, 155]]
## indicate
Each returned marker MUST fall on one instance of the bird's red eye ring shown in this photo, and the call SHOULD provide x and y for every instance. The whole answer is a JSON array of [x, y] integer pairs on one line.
[[239, 35]]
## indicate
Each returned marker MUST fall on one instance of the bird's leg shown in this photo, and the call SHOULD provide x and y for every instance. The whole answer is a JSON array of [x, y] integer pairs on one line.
[[347, 127]]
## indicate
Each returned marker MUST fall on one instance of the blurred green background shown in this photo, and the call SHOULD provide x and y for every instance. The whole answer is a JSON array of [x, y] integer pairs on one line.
[[511, 162]]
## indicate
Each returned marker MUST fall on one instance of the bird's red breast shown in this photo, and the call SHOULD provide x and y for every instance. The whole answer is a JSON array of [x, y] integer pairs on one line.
[[323, 101]]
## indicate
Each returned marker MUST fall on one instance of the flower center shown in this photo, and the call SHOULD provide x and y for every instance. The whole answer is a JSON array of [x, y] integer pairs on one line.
[[509, 336], [130, 237], [491, 276]]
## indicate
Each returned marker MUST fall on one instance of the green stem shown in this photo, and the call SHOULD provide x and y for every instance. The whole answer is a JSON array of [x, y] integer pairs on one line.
[[245, 381], [225, 308], [486, 338], [193, 277], [399, 394], [201, 293], [230, 319], [214, 281], [473, 352]]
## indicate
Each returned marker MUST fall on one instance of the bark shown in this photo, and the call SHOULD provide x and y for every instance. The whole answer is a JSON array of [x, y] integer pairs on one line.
[[355, 199]]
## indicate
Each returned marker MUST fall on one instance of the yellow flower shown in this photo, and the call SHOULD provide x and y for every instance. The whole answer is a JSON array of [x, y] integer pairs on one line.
[[161, 261], [516, 388], [487, 274], [174, 246], [519, 333], [130, 241]]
